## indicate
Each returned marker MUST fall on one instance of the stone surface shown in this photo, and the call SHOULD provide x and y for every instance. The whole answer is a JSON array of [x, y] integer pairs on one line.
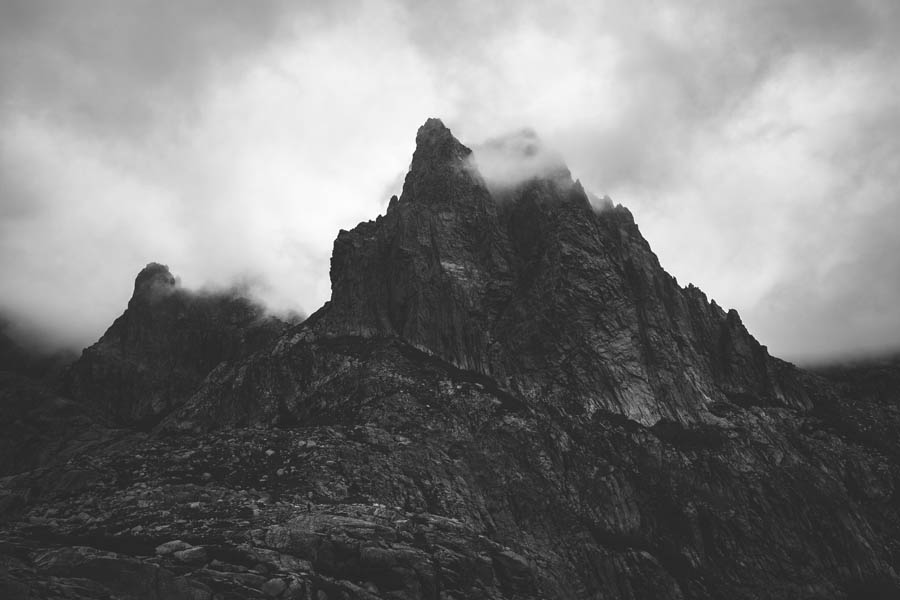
[[157, 353], [172, 547], [550, 297], [274, 587], [506, 397], [193, 556]]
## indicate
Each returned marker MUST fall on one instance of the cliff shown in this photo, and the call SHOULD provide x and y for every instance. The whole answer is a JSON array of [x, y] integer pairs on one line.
[[157, 353], [506, 397]]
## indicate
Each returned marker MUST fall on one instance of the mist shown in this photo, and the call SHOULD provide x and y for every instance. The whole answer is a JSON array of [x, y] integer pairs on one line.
[[508, 161], [756, 143]]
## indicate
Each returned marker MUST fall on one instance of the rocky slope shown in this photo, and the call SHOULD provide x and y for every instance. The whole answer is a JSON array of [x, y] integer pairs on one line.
[[506, 397], [558, 301], [156, 354]]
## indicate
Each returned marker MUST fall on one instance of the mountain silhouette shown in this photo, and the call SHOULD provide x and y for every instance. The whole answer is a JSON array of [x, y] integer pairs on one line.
[[505, 397]]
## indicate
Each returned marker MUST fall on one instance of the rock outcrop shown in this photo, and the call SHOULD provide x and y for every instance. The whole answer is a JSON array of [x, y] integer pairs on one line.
[[506, 397], [557, 300], [157, 353]]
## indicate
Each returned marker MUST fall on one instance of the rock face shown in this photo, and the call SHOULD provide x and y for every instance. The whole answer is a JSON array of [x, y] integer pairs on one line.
[[558, 301], [156, 354], [506, 397]]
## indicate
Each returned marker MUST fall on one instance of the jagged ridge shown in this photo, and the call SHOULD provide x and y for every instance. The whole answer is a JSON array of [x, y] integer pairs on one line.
[[154, 357], [545, 293], [506, 397]]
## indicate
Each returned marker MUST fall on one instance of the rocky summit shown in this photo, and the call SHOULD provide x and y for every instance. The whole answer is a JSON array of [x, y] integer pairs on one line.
[[506, 397]]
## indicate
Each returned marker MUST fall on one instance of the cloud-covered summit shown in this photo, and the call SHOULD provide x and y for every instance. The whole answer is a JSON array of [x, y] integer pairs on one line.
[[756, 143], [512, 159]]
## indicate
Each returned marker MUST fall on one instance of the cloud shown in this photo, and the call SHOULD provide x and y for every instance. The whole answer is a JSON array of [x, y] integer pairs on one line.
[[756, 142], [510, 160], [231, 166], [116, 68]]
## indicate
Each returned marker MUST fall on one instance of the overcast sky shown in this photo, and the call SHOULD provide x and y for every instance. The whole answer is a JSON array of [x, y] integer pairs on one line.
[[756, 142]]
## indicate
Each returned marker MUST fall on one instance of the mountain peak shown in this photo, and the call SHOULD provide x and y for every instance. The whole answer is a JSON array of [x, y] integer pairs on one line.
[[433, 124], [506, 397], [436, 143], [153, 279], [433, 129], [440, 169], [164, 344]]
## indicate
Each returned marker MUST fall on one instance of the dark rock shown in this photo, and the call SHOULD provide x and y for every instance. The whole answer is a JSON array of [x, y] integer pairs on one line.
[[117, 574], [514, 572], [274, 587], [156, 354], [506, 397], [543, 294], [172, 547]]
